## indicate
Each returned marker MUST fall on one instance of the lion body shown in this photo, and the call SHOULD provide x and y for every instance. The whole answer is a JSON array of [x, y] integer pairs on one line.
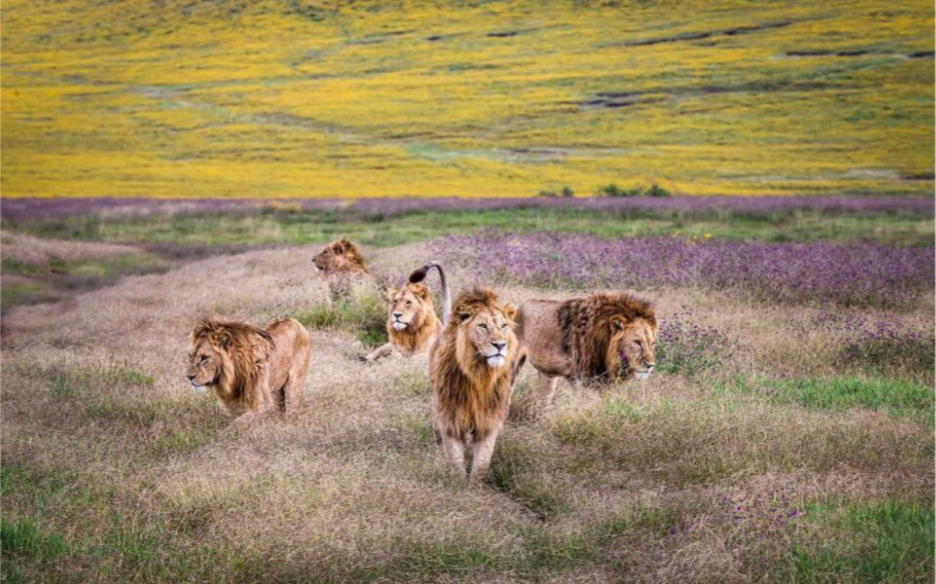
[[598, 338], [471, 386], [251, 370], [341, 267]]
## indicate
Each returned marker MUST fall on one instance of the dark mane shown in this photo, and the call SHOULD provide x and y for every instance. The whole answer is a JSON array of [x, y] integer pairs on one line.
[[586, 328]]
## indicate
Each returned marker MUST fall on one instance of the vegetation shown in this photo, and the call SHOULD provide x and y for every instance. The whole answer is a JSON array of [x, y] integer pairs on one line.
[[784, 440], [367, 98]]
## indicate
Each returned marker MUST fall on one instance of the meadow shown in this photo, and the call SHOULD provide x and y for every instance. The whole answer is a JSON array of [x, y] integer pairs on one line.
[[786, 437], [302, 98]]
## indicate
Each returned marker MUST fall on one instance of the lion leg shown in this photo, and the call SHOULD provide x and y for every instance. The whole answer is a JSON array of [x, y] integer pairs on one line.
[[453, 450], [483, 449], [264, 400], [547, 387], [379, 353], [292, 392]]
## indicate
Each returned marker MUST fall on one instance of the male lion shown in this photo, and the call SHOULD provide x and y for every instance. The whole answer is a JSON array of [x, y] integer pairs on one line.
[[412, 324], [342, 269], [470, 367], [600, 337], [251, 370]]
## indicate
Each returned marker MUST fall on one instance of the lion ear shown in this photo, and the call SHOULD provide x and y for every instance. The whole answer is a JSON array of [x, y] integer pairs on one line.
[[617, 323], [462, 314], [223, 340], [509, 310], [423, 293]]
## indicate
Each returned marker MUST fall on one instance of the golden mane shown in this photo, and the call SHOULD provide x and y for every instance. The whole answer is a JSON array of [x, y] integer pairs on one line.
[[469, 396], [244, 349], [586, 328], [345, 249]]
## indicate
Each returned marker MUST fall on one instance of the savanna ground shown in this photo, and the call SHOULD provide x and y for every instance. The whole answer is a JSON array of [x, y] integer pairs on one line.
[[788, 436]]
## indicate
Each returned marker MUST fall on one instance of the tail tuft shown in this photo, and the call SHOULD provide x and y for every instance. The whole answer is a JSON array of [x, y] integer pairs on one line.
[[420, 274]]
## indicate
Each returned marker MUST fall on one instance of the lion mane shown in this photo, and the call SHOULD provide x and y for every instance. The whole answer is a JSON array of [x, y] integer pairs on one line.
[[244, 348], [341, 256], [341, 267], [586, 331]]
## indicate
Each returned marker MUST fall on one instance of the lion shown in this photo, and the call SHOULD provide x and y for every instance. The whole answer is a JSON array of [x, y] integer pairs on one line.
[[251, 370], [412, 324], [470, 367], [599, 338], [342, 268]]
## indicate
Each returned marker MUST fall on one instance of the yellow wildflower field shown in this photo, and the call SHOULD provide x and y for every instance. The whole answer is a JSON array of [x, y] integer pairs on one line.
[[372, 98]]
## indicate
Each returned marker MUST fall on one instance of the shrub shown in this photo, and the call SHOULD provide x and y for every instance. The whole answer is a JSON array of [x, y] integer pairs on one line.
[[366, 317], [689, 349], [657, 191]]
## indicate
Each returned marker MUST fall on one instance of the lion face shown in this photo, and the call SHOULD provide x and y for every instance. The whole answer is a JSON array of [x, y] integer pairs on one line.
[[337, 256], [408, 307], [632, 348], [488, 335], [205, 366]]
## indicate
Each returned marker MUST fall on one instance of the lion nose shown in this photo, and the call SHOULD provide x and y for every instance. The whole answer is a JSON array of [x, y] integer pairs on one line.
[[397, 314], [191, 377], [499, 345]]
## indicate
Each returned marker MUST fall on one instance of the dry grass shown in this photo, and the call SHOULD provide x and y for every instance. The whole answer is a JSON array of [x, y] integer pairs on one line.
[[114, 470]]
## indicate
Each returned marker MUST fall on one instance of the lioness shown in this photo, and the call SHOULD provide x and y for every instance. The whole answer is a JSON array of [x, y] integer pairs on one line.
[[470, 367], [412, 324], [251, 370], [597, 338], [341, 266]]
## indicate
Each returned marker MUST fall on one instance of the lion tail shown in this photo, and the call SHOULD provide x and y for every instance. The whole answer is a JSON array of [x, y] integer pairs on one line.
[[419, 275]]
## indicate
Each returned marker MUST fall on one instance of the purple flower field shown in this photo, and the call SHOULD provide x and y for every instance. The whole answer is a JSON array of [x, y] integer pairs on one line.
[[36, 208], [860, 273]]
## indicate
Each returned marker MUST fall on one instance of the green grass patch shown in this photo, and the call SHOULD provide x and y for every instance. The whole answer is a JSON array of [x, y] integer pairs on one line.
[[67, 383], [22, 537], [58, 279], [304, 228], [24, 293], [366, 317], [514, 473], [888, 541], [896, 396]]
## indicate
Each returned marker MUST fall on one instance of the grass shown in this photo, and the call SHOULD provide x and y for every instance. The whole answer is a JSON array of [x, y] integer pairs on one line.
[[887, 541], [303, 228], [895, 396], [747, 458], [365, 317], [57, 279]]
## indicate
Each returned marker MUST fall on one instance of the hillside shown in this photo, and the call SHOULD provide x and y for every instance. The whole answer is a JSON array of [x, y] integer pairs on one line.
[[293, 99]]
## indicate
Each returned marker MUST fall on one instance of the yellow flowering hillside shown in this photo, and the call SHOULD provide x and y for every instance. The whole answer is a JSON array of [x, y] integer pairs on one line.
[[294, 98]]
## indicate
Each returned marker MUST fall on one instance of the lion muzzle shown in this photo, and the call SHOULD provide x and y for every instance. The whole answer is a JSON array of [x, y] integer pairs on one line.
[[499, 357], [398, 323]]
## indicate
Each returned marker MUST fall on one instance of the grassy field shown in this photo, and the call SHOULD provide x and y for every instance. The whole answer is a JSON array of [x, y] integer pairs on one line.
[[783, 440], [296, 98]]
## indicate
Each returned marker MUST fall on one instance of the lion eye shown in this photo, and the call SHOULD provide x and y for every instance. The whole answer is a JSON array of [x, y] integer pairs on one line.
[[638, 343], [409, 303], [483, 327], [203, 358], [504, 326]]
